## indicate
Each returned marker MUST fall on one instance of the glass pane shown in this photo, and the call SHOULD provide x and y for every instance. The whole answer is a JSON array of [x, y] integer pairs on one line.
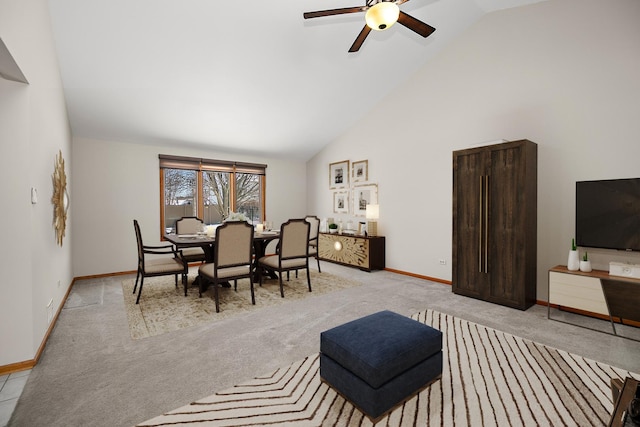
[[180, 196], [215, 193], [248, 197]]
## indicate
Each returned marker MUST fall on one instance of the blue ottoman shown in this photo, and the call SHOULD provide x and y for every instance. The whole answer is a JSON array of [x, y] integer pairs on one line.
[[378, 361]]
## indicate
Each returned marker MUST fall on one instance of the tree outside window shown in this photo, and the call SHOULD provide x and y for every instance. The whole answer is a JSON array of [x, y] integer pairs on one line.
[[216, 193], [248, 196], [210, 190]]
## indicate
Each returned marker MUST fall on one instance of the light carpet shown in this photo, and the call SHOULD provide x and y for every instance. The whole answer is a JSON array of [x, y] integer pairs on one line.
[[490, 378], [164, 308]]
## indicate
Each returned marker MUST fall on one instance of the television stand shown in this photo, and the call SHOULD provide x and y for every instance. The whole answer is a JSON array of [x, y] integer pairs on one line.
[[597, 294]]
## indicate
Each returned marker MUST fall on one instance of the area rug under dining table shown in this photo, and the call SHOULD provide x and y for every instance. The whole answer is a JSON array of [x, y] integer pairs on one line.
[[164, 308], [490, 378]]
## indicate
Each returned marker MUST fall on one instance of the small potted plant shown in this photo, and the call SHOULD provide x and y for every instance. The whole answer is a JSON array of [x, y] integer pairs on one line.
[[333, 228], [573, 263], [585, 264]]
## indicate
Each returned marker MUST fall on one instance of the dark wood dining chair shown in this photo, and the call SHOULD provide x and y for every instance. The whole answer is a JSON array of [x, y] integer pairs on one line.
[[293, 251], [233, 259], [314, 231], [165, 260], [191, 225]]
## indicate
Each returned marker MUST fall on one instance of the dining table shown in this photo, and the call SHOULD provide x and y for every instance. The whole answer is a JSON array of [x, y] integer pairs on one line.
[[207, 242]]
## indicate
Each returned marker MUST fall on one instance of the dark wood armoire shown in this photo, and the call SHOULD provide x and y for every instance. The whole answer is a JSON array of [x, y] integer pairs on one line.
[[495, 223]]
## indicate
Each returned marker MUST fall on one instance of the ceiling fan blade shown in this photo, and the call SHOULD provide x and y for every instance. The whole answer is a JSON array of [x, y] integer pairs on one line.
[[416, 25], [360, 39], [330, 12]]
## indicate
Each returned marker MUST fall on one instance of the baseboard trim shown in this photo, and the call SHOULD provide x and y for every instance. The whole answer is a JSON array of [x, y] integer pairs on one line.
[[17, 367], [99, 276], [418, 276], [448, 282], [29, 364]]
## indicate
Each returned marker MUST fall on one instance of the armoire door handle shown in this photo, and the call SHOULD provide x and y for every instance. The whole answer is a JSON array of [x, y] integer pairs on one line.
[[487, 201], [480, 224]]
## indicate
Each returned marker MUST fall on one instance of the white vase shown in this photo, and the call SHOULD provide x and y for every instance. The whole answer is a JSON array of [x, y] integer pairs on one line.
[[585, 266], [573, 263]]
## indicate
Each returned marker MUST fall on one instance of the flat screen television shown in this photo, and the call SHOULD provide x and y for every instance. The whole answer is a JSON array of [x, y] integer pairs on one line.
[[608, 214]]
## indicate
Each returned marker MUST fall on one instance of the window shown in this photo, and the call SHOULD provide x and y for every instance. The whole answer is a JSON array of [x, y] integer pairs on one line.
[[210, 190]]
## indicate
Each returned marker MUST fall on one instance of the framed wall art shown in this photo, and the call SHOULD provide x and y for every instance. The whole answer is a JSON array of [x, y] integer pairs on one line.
[[360, 171], [60, 198], [339, 174], [364, 195], [341, 202]]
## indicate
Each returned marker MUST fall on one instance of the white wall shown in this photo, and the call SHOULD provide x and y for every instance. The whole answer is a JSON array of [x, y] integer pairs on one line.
[[562, 73], [33, 127], [115, 183]]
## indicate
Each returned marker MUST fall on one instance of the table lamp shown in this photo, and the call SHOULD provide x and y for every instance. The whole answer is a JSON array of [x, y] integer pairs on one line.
[[373, 212]]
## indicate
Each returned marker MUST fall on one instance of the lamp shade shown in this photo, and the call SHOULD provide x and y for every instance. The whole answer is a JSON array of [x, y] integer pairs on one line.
[[373, 211], [382, 15]]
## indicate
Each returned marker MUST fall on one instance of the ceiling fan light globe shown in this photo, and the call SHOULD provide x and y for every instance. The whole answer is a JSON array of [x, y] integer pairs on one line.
[[382, 16]]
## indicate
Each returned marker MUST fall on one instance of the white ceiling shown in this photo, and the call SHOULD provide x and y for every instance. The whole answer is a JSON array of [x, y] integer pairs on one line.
[[243, 76]]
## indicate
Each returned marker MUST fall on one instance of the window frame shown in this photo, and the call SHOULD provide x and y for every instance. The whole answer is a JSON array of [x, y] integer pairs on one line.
[[208, 165]]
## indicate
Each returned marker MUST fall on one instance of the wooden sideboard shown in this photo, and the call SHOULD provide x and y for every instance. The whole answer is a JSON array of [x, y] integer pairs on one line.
[[577, 290], [365, 253], [596, 293]]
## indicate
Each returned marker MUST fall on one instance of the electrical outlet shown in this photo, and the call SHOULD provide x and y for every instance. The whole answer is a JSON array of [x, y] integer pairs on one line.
[[59, 283], [442, 262]]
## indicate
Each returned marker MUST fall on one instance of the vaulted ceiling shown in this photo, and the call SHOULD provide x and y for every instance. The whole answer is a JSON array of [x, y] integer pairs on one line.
[[243, 76]]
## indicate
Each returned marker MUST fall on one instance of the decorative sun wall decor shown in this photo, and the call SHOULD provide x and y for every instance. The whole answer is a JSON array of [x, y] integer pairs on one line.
[[60, 198]]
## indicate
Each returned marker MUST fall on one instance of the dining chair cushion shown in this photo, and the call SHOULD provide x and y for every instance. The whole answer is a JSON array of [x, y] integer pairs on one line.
[[169, 265], [190, 254], [272, 261], [297, 240], [223, 273], [189, 225], [229, 251], [192, 251]]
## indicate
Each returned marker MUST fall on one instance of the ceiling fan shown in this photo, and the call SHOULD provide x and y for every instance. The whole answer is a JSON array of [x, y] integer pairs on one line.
[[380, 15]]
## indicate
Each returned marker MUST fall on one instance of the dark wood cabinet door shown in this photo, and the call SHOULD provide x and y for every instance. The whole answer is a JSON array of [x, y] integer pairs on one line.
[[468, 277], [494, 223], [507, 202]]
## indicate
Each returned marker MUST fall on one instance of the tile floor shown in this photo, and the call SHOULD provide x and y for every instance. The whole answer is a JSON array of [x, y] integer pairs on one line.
[[11, 386]]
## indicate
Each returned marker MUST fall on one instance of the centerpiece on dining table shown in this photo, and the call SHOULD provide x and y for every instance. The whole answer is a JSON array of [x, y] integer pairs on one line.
[[236, 216]]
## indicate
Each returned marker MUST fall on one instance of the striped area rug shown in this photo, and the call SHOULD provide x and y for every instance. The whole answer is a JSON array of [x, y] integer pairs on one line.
[[489, 378]]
